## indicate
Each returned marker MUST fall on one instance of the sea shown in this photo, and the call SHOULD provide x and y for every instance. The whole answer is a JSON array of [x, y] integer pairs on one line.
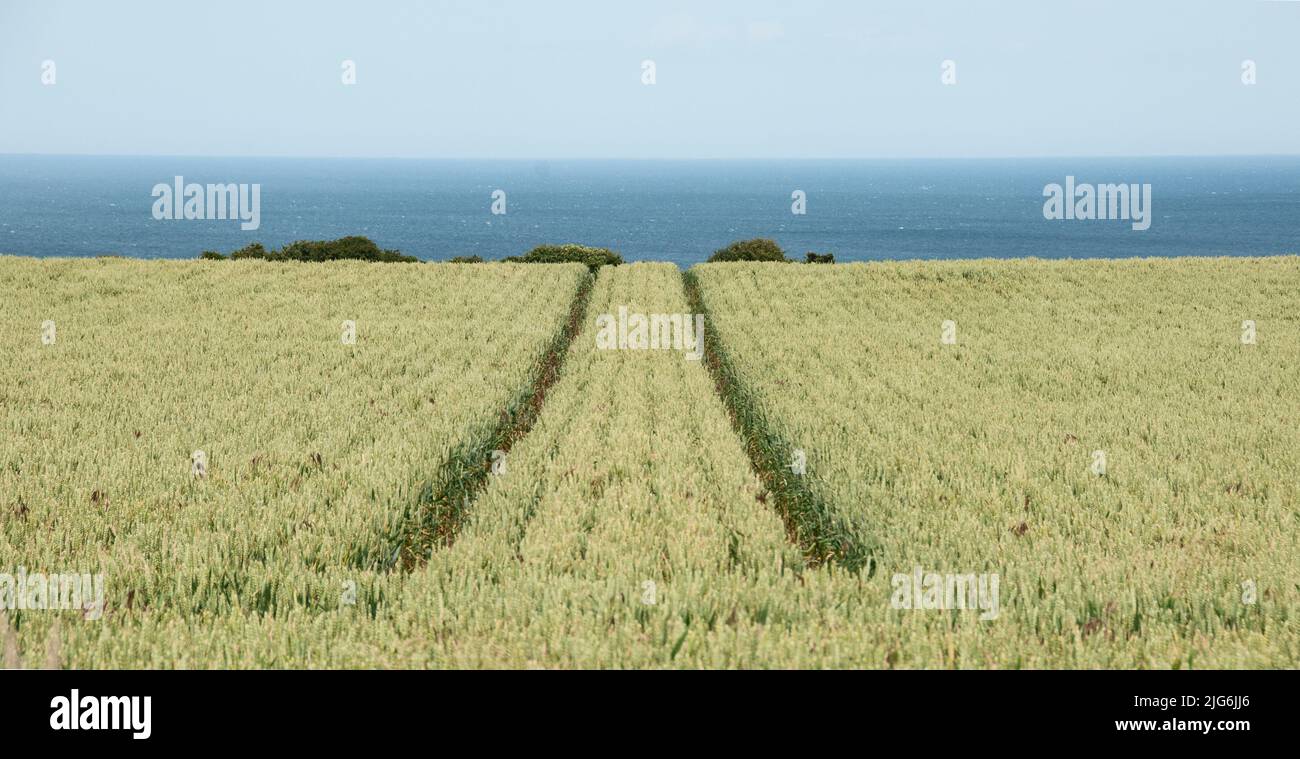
[[677, 211]]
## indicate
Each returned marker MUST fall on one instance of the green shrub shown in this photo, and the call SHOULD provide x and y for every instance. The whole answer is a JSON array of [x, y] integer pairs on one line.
[[465, 260], [212, 255], [347, 248], [759, 249], [594, 258], [819, 258], [353, 248], [249, 251]]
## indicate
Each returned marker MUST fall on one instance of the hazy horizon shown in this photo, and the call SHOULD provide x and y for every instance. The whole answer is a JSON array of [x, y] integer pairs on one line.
[[664, 159]]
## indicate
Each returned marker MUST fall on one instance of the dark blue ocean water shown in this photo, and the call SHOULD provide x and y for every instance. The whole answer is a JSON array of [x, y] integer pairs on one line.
[[656, 210]]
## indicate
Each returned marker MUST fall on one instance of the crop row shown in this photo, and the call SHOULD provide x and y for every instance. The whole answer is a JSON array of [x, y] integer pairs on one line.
[[1105, 436], [317, 449]]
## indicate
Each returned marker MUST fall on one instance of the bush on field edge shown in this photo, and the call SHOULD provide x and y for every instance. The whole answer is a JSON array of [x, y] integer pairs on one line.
[[758, 249], [354, 248], [364, 249], [594, 258]]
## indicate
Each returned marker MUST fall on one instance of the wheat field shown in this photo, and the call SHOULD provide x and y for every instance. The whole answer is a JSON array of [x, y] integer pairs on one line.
[[1098, 433], [315, 450], [764, 507]]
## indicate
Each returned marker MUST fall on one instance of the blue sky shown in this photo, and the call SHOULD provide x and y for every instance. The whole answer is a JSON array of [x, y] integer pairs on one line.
[[561, 79]]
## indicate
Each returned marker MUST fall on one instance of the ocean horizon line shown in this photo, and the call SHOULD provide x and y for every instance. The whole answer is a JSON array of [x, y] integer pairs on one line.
[[616, 159]]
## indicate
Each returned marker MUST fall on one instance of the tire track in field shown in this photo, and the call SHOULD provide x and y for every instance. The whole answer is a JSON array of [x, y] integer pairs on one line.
[[814, 525], [446, 499]]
